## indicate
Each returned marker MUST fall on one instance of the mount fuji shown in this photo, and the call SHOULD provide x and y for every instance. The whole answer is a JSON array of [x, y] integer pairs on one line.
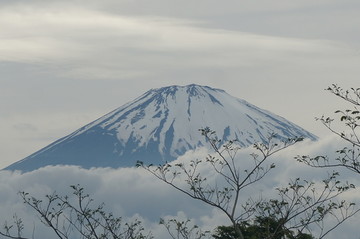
[[160, 126]]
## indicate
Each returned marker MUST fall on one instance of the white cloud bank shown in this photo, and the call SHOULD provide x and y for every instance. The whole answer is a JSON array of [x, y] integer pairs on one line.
[[132, 192]]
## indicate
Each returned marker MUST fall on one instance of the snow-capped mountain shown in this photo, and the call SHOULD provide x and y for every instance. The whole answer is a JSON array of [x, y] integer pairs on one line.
[[159, 126]]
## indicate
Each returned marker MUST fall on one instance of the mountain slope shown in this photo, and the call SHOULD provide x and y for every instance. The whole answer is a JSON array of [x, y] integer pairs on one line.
[[159, 126]]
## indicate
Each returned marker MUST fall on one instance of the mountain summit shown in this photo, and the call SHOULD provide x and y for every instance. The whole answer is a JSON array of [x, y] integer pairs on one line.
[[159, 126]]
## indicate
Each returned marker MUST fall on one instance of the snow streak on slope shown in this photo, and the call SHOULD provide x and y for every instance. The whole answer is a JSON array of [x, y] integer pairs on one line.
[[161, 125]]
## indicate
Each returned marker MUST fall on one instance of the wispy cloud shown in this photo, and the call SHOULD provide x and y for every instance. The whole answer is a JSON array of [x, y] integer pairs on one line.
[[99, 43]]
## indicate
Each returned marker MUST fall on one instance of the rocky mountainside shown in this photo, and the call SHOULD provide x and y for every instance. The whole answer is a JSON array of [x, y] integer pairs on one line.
[[159, 126]]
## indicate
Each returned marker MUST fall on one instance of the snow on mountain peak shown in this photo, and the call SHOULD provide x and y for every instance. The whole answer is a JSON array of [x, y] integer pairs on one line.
[[161, 125]]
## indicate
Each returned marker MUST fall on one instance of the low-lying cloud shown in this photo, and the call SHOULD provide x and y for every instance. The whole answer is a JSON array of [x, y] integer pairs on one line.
[[133, 192]]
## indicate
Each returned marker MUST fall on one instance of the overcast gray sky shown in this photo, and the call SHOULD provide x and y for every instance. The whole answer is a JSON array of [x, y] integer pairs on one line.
[[65, 63]]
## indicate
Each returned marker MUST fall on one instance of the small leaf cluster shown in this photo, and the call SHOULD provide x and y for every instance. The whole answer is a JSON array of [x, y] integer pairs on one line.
[[184, 229], [349, 156]]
